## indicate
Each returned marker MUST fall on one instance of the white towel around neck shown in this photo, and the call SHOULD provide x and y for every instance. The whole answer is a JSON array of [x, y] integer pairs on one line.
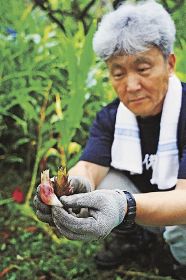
[[126, 148]]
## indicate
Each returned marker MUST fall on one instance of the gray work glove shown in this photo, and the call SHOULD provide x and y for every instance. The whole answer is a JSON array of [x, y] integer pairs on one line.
[[79, 184], [43, 212], [107, 209]]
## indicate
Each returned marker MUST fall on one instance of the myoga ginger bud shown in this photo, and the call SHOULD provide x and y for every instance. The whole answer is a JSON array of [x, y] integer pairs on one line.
[[47, 191], [61, 184]]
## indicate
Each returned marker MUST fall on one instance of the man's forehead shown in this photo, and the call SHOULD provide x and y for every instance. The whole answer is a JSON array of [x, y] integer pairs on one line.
[[142, 57], [122, 60]]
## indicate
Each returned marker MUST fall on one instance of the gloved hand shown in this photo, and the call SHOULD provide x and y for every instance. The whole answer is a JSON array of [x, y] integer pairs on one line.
[[79, 185], [107, 209]]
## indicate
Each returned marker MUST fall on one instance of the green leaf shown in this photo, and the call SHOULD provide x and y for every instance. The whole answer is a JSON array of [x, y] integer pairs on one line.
[[46, 146], [46, 128], [20, 142], [74, 112], [13, 159], [20, 122], [87, 55], [72, 64]]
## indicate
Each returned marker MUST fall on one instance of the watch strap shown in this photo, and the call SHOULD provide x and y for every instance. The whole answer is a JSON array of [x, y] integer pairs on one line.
[[128, 223], [129, 220]]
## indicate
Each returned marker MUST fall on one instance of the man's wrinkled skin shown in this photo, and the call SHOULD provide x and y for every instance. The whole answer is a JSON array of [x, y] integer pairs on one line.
[[141, 80]]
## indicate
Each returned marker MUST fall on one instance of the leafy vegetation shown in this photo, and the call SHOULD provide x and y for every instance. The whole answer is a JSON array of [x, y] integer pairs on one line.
[[51, 86]]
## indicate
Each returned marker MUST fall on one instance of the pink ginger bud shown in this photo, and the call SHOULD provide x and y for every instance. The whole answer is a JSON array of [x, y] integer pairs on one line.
[[47, 191], [61, 184]]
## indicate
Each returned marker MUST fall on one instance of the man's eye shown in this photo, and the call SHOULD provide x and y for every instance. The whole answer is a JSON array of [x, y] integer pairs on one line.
[[144, 69], [118, 75]]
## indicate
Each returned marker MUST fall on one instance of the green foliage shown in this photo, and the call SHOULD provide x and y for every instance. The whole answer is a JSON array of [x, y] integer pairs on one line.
[[48, 93], [43, 86], [78, 68], [179, 16], [181, 62], [42, 258]]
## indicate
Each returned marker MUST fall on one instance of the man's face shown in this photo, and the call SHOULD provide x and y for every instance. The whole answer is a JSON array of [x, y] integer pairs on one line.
[[141, 80]]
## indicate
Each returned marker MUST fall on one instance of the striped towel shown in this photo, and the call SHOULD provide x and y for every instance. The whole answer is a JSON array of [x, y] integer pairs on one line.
[[126, 148]]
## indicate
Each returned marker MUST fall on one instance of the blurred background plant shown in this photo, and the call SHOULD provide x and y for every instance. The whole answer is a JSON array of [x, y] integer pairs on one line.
[[51, 86]]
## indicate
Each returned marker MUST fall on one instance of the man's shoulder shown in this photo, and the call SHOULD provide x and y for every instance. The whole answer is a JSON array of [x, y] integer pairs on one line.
[[182, 120], [111, 108], [106, 117], [184, 87], [183, 94]]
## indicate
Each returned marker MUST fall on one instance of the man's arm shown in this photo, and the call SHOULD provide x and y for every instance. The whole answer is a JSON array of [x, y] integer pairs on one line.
[[91, 171], [109, 207], [162, 208], [155, 209]]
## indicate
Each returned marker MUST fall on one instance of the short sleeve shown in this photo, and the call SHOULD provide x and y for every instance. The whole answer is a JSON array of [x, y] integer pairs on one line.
[[181, 136], [98, 146], [182, 165]]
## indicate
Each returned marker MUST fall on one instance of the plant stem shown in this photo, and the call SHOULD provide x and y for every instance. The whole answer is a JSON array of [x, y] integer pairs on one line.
[[63, 156], [35, 169], [39, 145], [140, 274]]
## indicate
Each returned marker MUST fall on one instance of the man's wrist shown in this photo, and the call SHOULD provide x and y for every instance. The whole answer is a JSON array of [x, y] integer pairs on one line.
[[128, 222], [129, 219]]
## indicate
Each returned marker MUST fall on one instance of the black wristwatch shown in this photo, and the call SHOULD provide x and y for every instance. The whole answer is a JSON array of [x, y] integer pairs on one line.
[[128, 222]]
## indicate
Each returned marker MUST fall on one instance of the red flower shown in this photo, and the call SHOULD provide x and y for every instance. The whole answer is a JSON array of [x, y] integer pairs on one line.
[[18, 195]]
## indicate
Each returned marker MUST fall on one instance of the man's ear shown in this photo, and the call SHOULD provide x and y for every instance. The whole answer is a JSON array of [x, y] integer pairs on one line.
[[171, 62]]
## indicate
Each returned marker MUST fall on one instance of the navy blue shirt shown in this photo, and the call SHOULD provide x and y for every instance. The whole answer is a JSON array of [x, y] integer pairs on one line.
[[98, 147]]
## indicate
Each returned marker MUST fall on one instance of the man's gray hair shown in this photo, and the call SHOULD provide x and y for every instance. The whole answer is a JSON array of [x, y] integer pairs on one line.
[[134, 28]]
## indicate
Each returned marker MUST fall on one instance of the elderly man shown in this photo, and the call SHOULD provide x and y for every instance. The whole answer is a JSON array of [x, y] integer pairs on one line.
[[133, 157]]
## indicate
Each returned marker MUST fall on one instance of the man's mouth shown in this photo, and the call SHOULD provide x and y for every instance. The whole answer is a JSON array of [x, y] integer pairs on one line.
[[137, 100]]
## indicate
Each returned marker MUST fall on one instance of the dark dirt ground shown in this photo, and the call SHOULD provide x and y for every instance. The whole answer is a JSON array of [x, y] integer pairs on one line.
[[27, 252]]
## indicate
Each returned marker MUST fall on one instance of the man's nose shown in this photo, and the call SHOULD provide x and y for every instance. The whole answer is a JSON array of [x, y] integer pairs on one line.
[[133, 83]]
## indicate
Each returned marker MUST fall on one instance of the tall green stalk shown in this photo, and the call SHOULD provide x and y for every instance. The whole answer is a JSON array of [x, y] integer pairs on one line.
[[39, 145]]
